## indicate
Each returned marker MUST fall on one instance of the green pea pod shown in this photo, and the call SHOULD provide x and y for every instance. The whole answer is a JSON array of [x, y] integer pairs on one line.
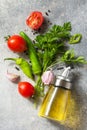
[[75, 39], [36, 66], [24, 66]]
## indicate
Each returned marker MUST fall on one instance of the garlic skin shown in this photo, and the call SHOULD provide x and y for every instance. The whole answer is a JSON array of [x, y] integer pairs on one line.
[[48, 77], [12, 77]]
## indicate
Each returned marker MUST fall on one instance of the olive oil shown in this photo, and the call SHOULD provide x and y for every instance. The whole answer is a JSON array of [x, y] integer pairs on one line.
[[56, 109], [54, 105]]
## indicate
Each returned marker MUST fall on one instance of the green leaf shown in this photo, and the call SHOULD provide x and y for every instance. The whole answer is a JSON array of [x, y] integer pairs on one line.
[[56, 29], [81, 59], [69, 54], [67, 26], [69, 57]]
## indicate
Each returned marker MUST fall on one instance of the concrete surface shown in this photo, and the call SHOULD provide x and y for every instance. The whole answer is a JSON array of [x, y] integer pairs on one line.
[[16, 112]]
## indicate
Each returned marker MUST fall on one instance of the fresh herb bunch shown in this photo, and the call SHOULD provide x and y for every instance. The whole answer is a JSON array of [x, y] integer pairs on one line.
[[52, 44]]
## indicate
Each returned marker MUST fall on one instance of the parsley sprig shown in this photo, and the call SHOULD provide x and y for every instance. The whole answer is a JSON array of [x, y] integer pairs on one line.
[[70, 58], [53, 44]]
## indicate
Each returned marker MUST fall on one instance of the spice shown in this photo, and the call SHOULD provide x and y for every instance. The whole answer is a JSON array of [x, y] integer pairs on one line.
[[46, 13], [12, 77], [17, 68], [48, 77], [49, 11]]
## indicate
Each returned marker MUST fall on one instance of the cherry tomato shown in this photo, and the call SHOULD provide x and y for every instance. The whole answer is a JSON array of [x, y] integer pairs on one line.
[[16, 43], [26, 89], [35, 20]]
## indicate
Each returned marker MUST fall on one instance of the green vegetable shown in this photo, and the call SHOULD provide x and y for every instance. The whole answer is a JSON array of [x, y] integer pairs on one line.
[[39, 90], [36, 66], [75, 39], [39, 87], [24, 65], [70, 58], [52, 44]]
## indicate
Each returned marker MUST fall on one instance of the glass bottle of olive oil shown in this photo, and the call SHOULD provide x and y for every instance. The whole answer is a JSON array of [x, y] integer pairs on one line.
[[54, 105]]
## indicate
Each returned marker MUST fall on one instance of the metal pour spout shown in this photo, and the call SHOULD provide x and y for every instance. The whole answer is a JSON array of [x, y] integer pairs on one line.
[[63, 80]]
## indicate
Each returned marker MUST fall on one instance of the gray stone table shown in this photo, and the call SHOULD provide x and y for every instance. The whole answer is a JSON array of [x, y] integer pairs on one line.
[[16, 112]]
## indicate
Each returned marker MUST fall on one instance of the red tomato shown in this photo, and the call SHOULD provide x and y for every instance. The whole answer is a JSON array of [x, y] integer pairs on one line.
[[26, 89], [16, 43], [35, 20]]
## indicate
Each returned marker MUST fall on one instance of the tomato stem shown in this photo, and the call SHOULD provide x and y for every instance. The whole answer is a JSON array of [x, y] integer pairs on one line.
[[7, 37]]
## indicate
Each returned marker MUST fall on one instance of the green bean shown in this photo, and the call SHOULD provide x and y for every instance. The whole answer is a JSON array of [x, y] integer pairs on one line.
[[24, 66], [36, 66]]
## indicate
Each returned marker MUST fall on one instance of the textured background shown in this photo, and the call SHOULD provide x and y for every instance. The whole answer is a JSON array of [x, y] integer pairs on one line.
[[16, 112]]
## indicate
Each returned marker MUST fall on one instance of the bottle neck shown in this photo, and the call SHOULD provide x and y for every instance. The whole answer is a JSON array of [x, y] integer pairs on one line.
[[63, 83]]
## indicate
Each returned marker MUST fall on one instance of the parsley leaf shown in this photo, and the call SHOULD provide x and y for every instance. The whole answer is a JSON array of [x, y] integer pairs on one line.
[[67, 26], [69, 58]]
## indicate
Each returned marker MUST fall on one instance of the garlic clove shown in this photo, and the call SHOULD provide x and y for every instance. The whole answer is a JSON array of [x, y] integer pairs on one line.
[[12, 77]]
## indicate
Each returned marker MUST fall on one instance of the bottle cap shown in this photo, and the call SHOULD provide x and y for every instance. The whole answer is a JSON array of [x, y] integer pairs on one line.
[[63, 80]]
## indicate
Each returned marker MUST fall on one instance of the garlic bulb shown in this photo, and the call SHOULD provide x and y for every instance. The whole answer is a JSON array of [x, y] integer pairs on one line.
[[48, 77], [12, 77]]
